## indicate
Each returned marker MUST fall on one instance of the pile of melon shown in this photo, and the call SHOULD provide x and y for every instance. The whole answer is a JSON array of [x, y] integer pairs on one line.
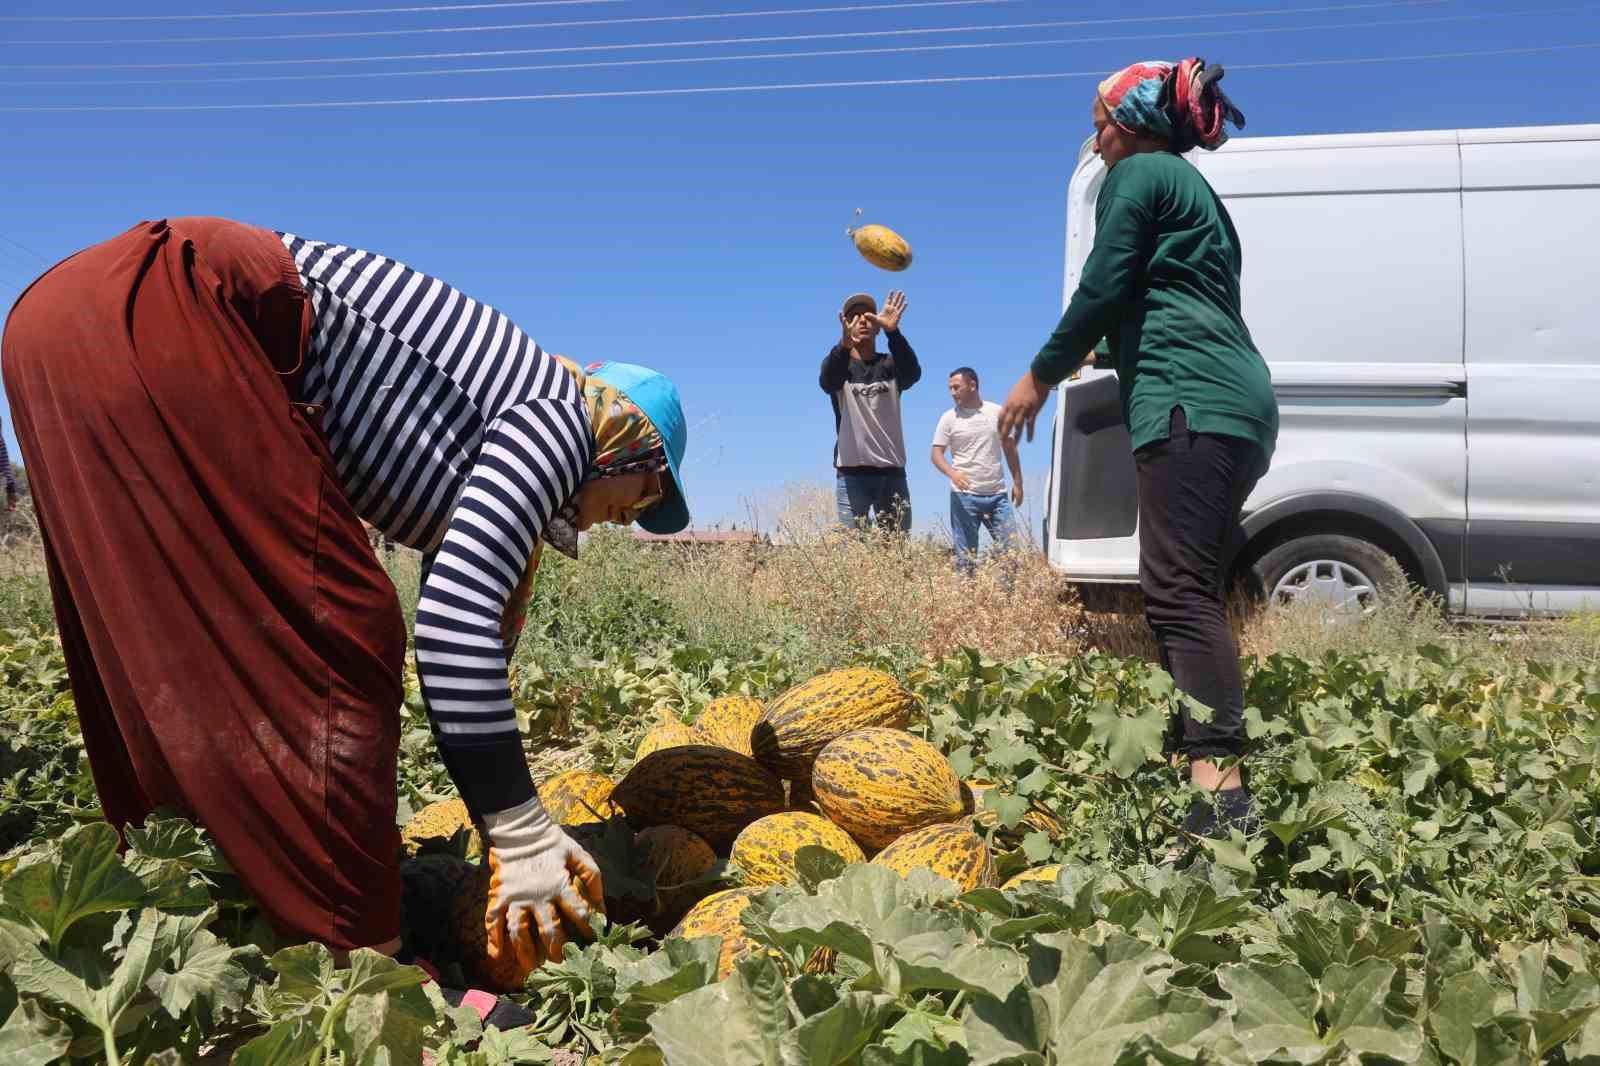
[[829, 763]]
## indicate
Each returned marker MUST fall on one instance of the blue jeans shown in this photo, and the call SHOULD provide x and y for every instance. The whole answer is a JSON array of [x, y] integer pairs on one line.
[[886, 496], [968, 512]]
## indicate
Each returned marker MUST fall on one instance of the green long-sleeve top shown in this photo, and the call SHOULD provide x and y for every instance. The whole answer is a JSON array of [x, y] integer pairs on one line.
[[1161, 288]]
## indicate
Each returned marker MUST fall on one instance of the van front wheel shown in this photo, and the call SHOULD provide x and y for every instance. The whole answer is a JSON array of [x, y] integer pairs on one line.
[[1340, 574]]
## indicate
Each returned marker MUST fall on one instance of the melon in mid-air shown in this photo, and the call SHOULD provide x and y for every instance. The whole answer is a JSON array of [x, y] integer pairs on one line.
[[881, 246]]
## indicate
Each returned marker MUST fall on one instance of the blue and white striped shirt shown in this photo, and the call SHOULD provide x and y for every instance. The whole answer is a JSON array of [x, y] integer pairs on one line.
[[455, 434]]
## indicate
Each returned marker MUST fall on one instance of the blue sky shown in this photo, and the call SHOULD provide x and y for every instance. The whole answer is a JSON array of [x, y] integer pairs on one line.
[[703, 233]]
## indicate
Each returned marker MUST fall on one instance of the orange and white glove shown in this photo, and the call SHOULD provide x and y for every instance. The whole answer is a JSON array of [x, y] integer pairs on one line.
[[537, 876]]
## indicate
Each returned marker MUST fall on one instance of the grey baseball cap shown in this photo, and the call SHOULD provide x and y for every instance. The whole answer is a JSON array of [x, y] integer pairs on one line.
[[860, 299]]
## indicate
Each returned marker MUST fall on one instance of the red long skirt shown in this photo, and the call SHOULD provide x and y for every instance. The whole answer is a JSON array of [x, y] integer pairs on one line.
[[235, 648]]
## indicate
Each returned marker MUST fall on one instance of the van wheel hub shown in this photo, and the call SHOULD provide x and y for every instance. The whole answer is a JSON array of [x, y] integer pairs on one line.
[[1329, 583]]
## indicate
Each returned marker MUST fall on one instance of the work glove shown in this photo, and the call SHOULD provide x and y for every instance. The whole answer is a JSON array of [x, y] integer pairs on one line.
[[537, 876]]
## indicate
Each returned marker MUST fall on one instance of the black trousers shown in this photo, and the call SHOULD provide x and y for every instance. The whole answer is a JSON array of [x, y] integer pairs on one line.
[[1191, 489]]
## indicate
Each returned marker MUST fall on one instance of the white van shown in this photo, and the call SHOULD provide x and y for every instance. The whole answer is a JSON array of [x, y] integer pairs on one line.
[[1429, 304]]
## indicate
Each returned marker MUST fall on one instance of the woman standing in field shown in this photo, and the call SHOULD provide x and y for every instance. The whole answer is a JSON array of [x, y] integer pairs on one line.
[[208, 411], [1161, 288]]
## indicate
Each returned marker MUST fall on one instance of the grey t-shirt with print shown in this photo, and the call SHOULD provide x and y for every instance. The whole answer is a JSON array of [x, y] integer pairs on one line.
[[866, 405]]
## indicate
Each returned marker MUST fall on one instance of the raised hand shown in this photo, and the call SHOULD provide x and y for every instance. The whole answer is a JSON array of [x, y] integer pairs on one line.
[[893, 307]]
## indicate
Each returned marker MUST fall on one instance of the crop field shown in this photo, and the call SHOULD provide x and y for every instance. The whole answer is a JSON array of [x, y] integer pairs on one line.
[[992, 873]]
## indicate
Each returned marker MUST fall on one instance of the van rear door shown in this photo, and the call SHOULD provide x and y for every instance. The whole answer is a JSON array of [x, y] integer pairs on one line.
[[1532, 234]]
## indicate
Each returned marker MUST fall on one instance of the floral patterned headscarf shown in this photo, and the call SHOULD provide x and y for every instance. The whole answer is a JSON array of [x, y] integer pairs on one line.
[[1179, 102], [625, 442]]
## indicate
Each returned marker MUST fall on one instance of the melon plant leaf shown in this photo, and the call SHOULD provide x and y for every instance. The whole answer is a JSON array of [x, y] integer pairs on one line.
[[1499, 1041], [918, 1054], [812, 994], [16, 941], [174, 861], [291, 1042], [1465, 1001], [1192, 908], [174, 840], [372, 973], [718, 1025], [945, 962], [766, 994], [391, 1022], [816, 864], [37, 974], [1007, 807], [1129, 740], [1000, 1032], [1036, 782], [931, 1027], [1446, 953], [1037, 846], [1300, 818], [303, 972], [1274, 1010], [104, 1004], [680, 966], [961, 762], [1119, 1006], [204, 973], [84, 877], [866, 903], [1354, 1002], [31, 1037], [836, 1035], [500, 1048]]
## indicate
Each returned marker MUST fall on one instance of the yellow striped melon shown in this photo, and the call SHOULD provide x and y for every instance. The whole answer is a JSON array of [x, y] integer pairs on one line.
[[950, 851], [673, 855], [441, 821], [797, 725], [879, 784], [727, 722], [1045, 874], [669, 733], [569, 795], [881, 246], [705, 789], [766, 849], [718, 915]]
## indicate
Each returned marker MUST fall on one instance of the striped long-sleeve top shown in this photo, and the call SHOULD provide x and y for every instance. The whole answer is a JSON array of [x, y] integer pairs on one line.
[[455, 434], [7, 475]]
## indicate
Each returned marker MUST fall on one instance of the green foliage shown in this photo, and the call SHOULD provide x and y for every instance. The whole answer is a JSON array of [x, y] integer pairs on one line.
[[1424, 888], [45, 786]]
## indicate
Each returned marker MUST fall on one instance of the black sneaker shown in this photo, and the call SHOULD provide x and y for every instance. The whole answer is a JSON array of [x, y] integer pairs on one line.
[[494, 1010], [497, 1011]]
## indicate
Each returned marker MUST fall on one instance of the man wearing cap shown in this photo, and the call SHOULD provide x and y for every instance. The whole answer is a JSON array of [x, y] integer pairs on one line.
[[209, 411], [864, 385]]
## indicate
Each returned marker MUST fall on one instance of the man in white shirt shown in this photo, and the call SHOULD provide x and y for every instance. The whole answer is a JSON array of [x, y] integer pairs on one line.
[[977, 483]]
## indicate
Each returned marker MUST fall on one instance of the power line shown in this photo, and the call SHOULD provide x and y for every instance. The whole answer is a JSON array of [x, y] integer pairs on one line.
[[819, 53], [420, 9], [24, 247], [769, 39], [634, 20], [782, 87]]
